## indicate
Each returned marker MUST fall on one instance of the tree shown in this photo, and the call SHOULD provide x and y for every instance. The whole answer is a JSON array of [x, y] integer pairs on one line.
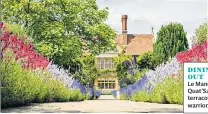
[[62, 29], [201, 33], [170, 40], [87, 70], [145, 61]]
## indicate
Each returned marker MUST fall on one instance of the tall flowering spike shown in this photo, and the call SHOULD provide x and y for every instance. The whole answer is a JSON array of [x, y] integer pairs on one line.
[[135, 61], [151, 78], [127, 63], [132, 62], [198, 53], [24, 52]]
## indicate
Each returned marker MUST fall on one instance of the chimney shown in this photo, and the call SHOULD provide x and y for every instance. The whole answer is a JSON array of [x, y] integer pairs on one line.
[[153, 34], [124, 23], [124, 29], [152, 31]]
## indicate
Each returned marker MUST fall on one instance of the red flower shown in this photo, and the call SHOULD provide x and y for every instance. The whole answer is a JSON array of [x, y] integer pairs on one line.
[[198, 53], [23, 52]]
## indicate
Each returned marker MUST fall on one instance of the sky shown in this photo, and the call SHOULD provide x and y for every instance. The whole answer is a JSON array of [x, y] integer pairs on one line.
[[145, 14]]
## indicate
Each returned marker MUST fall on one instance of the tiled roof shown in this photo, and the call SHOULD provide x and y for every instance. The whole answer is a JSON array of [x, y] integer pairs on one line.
[[137, 43]]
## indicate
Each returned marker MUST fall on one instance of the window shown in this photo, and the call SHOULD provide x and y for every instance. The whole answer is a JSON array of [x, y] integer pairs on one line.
[[105, 83], [101, 84], [105, 63]]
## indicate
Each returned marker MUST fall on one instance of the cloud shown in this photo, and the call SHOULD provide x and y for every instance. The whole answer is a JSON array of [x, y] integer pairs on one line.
[[144, 14]]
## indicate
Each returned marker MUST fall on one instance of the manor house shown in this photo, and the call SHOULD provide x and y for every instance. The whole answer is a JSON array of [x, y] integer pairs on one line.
[[129, 44]]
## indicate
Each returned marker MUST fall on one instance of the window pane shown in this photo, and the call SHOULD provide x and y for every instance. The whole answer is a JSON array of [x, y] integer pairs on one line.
[[113, 87], [110, 85], [106, 63], [106, 85], [102, 85], [102, 66], [110, 64], [99, 85]]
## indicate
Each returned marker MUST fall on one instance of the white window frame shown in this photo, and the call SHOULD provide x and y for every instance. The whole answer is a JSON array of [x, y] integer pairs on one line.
[[106, 63]]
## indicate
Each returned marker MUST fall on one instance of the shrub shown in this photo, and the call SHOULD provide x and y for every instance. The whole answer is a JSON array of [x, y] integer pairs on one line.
[[168, 91], [198, 53], [173, 90], [145, 61], [88, 96], [22, 51], [61, 74], [76, 95], [151, 78], [140, 96], [15, 87], [124, 96], [141, 73], [21, 86], [24, 78], [15, 28], [157, 95]]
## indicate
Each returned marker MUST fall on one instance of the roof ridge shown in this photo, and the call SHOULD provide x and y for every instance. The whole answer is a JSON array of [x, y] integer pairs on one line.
[[137, 34], [142, 34]]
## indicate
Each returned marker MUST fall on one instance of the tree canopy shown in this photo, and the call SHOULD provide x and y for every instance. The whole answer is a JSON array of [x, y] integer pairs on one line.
[[171, 39], [62, 29], [201, 33]]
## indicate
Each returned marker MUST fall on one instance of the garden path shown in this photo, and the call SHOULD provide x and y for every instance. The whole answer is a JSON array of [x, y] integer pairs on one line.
[[100, 105], [106, 97]]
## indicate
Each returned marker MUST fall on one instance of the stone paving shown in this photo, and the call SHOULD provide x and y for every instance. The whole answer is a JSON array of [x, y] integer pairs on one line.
[[103, 104]]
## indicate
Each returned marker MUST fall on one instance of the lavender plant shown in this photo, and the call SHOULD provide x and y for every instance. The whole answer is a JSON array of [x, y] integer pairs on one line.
[[151, 78], [132, 66], [60, 74]]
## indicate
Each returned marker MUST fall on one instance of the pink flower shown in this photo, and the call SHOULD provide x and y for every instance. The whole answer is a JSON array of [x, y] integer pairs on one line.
[[23, 52], [198, 53]]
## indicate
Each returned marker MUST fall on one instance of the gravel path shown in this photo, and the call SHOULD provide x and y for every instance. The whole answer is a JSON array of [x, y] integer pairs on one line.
[[103, 104]]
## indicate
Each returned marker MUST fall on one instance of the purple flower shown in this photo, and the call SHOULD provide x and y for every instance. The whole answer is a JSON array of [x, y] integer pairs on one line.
[[134, 59], [77, 85], [151, 78], [114, 93], [97, 93], [127, 63]]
